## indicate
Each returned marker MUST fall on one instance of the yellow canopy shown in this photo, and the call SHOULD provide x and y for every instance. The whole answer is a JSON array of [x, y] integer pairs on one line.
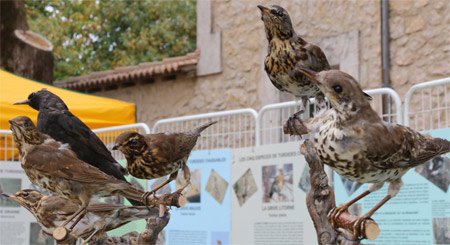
[[94, 111]]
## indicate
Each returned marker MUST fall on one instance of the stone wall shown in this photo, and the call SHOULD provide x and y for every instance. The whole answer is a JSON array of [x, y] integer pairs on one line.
[[420, 49]]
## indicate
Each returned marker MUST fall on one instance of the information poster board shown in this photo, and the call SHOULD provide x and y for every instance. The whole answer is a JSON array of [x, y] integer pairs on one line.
[[268, 200], [419, 214], [206, 217], [17, 225]]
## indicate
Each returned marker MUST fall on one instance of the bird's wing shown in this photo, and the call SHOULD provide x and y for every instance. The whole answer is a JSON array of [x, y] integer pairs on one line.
[[52, 159], [311, 57], [63, 126], [58, 205], [103, 207], [170, 147], [407, 148]]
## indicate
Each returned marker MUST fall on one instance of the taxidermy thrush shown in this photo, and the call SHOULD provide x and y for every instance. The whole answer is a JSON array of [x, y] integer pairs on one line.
[[52, 211], [352, 139], [156, 155], [287, 50], [52, 165]]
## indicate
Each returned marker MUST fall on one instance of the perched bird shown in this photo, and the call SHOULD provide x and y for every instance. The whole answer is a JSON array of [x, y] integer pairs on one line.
[[277, 185], [285, 52], [55, 120], [52, 211], [52, 165], [152, 156], [353, 140]]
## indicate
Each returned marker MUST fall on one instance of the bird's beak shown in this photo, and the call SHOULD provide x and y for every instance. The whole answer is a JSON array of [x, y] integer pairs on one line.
[[22, 102], [6, 195], [263, 9], [11, 122], [309, 73], [116, 147]]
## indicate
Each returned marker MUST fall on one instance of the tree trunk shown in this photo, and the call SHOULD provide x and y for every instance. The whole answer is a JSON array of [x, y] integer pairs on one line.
[[21, 51]]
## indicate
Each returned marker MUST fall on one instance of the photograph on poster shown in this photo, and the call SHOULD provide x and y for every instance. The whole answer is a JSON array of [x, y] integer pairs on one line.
[[37, 236], [441, 230], [220, 238], [437, 171], [216, 186], [350, 186], [277, 182], [304, 183], [9, 186], [245, 187], [191, 192]]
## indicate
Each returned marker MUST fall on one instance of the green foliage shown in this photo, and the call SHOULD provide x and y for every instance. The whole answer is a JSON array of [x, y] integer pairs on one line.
[[100, 35]]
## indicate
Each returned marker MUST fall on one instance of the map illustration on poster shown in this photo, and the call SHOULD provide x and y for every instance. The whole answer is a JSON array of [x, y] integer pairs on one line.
[[206, 217]]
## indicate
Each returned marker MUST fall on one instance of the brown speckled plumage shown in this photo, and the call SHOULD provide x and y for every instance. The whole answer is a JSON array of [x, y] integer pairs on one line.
[[353, 140], [156, 155], [52, 165], [52, 211], [286, 51]]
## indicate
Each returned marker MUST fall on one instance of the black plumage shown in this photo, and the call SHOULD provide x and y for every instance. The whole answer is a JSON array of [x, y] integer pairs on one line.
[[56, 120]]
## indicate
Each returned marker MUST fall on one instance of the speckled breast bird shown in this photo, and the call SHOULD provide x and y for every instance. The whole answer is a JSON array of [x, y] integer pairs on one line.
[[52, 211], [287, 50], [352, 139], [52, 165], [55, 120], [156, 155]]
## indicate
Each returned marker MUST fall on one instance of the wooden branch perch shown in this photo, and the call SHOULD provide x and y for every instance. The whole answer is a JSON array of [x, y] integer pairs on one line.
[[154, 226], [320, 198], [148, 236], [170, 199]]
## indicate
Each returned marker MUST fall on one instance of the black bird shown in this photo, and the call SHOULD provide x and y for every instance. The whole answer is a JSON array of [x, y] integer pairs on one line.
[[55, 120]]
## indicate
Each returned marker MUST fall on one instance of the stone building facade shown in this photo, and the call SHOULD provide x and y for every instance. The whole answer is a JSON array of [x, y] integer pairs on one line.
[[232, 46]]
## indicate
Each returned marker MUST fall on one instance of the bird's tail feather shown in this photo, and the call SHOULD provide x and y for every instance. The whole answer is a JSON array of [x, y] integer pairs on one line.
[[444, 145], [137, 213], [198, 130], [133, 194]]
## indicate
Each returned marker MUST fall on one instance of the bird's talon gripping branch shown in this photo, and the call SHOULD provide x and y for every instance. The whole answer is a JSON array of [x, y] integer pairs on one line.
[[334, 213]]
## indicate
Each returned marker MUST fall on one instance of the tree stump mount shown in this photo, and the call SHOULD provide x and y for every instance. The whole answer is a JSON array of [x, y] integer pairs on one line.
[[32, 56]]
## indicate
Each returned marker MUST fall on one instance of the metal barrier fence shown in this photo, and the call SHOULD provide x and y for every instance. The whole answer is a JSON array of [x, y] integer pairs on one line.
[[8, 151], [427, 105], [234, 128], [271, 117]]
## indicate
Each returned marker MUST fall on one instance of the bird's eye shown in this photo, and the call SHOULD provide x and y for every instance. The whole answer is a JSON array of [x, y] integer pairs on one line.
[[25, 194], [26, 124], [337, 88], [280, 14], [133, 142]]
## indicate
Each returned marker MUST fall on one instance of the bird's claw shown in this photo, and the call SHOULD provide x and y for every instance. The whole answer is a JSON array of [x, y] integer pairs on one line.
[[292, 119], [144, 198], [357, 227], [334, 214]]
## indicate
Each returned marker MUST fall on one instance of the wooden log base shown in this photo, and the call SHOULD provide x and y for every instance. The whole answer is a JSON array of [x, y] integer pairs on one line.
[[60, 233], [171, 199], [368, 228], [63, 236]]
